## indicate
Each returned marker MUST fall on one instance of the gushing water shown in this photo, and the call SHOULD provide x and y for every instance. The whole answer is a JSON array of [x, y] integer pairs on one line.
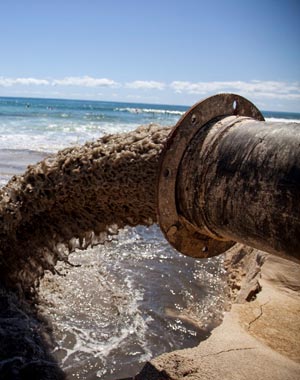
[[128, 301], [75, 199], [114, 306]]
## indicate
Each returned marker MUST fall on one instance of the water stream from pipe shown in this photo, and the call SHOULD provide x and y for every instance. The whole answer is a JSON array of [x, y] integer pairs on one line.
[[72, 243]]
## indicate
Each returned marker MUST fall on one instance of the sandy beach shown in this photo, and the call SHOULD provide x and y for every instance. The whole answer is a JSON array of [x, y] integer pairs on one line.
[[258, 338]]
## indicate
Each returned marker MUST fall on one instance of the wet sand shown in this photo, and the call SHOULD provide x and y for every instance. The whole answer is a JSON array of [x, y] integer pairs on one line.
[[258, 338]]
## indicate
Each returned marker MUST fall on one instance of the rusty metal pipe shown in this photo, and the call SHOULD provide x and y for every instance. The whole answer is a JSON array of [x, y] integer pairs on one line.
[[237, 180]]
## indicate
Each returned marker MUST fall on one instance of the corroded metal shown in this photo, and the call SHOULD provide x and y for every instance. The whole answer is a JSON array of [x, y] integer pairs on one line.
[[239, 180], [228, 176], [183, 235]]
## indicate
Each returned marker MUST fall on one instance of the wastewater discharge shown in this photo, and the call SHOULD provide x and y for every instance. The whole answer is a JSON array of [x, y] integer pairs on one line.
[[75, 199], [108, 307]]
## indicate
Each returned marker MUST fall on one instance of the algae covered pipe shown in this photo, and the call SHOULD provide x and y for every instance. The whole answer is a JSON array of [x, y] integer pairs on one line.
[[228, 176]]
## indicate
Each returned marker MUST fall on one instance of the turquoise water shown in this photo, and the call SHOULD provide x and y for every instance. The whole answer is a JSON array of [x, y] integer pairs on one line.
[[51, 124], [32, 128]]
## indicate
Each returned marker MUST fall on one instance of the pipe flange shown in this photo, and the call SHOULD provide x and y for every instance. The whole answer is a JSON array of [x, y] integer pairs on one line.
[[180, 233]]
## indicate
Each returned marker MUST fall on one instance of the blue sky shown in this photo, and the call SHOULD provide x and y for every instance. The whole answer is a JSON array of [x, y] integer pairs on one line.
[[158, 51]]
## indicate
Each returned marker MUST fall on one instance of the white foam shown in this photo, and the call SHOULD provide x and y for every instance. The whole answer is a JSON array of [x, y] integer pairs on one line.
[[149, 110], [282, 120], [104, 310]]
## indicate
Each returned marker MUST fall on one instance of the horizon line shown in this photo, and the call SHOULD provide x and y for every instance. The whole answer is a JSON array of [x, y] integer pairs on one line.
[[127, 102]]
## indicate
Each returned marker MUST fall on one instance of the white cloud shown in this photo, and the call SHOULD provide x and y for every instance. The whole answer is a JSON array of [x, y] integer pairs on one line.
[[194, 88], [146, 85], [85, 81], [8, 82], [269, 89], [255, 90]]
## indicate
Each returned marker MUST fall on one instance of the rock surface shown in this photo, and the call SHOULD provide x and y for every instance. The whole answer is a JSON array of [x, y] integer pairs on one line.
[[259, 337]]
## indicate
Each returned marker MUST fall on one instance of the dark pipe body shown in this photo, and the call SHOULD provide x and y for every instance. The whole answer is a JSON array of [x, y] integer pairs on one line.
[[239, 179]]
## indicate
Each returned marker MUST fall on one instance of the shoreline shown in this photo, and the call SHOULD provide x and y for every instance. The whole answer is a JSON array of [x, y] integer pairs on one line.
[[259, 337]]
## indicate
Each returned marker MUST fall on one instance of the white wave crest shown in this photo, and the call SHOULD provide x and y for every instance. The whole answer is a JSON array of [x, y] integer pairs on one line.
[[282, 120], [150, 110]]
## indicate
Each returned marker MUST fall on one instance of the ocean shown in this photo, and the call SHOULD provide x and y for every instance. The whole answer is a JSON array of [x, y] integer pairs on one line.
[[131, 299]]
